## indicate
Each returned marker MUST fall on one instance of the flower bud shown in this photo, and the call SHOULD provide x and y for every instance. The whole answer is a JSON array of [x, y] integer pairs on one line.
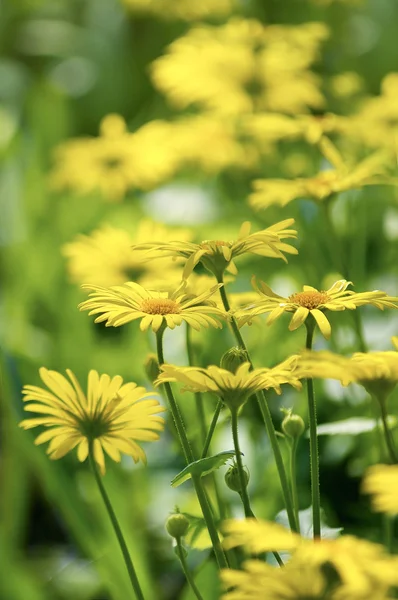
[[232, 478], [177, 525], [233, 358], [293, 425], [151, 366]]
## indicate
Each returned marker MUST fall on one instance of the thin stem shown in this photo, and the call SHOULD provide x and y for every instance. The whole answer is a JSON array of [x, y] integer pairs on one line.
[[382, 402], [238, 456], [187, 573], [293, 479], [314, 453], [115, 523], [211, 429], [388, 532], [203, 501], [198, 396], [267, 417]]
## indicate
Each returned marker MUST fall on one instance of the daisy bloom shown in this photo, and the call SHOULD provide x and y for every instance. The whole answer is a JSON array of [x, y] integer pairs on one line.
[[105, 257], [110, 417], [121, 304], [218, 256], [312, 302], [381, 481], [357, 569], [233, 388]]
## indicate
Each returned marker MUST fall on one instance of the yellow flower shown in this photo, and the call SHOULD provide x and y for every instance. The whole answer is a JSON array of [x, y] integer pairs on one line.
[[233, 388], [118, 305], [183, 9], [312, 302], [346, 85], [111, 417], [381, 481], [357, 569], [218, 255], [241, 66], [370, 171], [105, 257]]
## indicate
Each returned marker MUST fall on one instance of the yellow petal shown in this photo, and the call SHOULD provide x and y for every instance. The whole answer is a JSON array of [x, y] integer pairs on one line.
[[298, 318], [322, 322]]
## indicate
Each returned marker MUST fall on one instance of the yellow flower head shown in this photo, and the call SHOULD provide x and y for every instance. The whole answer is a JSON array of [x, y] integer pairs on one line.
[[381, 481], [243, 66], [110, 417], [359, 569], [105, 257], [312, 302], [233, 388], [370, 171], [218, 256], [121, 304]]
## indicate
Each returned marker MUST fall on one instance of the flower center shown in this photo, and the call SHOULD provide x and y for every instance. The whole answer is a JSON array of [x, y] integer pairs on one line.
[[160, 306], [309, 299], [213, 245]]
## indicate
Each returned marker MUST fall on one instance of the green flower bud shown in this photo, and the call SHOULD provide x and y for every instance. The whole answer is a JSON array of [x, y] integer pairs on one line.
[[177, 525], [292, 425], [151, 366], [232, 478], [233, 358]]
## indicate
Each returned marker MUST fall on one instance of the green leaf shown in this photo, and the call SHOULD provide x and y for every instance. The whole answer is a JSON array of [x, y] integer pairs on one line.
[[353, 426], [202, 467]]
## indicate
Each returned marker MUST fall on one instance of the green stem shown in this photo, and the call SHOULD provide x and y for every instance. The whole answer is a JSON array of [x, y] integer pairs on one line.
[[115, 523], [382, 402], [187, 573], [238, 456], [293, 478], [211, 429], [314, 453], [388, 532], [186, 448], [267, 417], [198, 396]]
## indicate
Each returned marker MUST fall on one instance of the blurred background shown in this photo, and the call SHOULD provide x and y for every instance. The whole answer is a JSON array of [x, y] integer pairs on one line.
[[103, 144]]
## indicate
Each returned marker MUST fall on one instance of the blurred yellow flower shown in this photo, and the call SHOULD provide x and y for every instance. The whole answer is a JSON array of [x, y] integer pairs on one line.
[[218, 256], [233, 388], [111, 417], [105, 257], [381, 481], [371, 171], [346, 568], [346, 85], [183, 9], [121, 304], [311, 302], [243, 66]]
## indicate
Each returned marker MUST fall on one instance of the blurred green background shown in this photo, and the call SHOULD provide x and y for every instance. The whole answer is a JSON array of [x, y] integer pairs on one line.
[[64, 65]]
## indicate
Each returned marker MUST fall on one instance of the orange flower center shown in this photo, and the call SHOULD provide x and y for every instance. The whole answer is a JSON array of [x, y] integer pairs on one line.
[[309, 299], [160, 306]]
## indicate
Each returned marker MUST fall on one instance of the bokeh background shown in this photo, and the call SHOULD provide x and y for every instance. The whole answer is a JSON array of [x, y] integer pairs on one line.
[[67, 64]]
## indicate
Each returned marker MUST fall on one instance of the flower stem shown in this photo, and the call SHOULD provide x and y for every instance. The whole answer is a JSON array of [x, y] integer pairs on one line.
[[293, 478], [187, 573], [314, 453], [267, 417], [211, 429], [189, 457], [382, 402], [238, 455], [198, 396], [115, 523]]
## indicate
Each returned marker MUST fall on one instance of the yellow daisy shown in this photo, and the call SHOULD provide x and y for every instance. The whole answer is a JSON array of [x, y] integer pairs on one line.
[[233, 388], [110, 417], [312, 302], [357, 569], [218, 256], [381, 481], [118, 305], [370, 171], [105, 257]]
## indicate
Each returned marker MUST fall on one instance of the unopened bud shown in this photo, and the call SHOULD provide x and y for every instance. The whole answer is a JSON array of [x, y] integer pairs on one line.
[[151, 367], [232, 478], [293, 425], [233, 358], [177, 525]]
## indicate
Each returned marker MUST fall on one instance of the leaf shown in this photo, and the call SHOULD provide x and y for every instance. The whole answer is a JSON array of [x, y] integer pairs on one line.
[[352, 426], [202, 467]]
